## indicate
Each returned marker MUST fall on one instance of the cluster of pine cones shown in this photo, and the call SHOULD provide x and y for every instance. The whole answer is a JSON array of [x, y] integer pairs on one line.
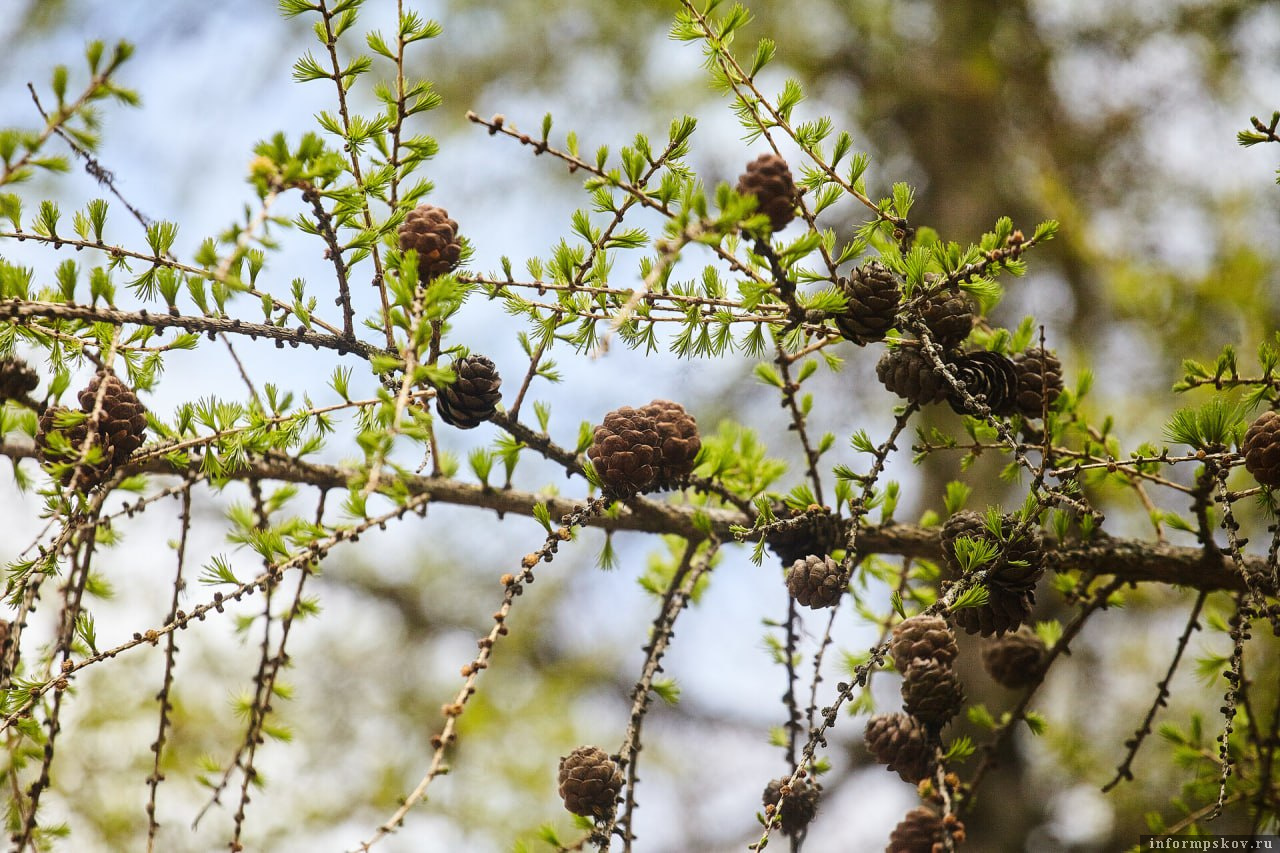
[[103, 437], [1026, 384], [924, 650], [646, 449], [1010, 580]]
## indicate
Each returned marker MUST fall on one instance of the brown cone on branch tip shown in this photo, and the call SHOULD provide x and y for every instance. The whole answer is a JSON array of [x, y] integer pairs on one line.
[[474, 394], [105, 438], [910, 374], [900, 743], [1022, 564], [640, 450], [816, 582], [678, 440], [931, 692], [430, 231], [1261, 448], [1039, 377], [122, 421], [986, 375], [17, 379], [928, 637], [590, 781], [814, 531], [50, 451], [1004, 611], [921, 831], [872, 298], [949, 318], [768, 178], [797, 808], [1015, 660]]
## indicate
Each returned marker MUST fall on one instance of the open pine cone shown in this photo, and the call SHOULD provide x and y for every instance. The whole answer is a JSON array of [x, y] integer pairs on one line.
[[430, 230], [589, 782]]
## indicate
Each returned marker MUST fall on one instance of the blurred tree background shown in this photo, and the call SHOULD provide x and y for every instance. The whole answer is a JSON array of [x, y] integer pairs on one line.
[[1118, 120]]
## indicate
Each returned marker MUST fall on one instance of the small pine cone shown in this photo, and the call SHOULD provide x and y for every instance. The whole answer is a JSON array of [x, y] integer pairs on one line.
[[962, 524], [984, 373], [1023, 565], [928, 637], [1039, 377], [918, 832], [931, 692], [797, 808], [625, 452], [123, 419], [1261, 448], [1004, 611], [1015, 660], [816, 532], [900, 743], [430, 230], [816, 582], [17, 379], [768, 178], [948, 317], [678, 439], [473, 397], [908, 373], [589, 782], [89, 475], [872, 296]]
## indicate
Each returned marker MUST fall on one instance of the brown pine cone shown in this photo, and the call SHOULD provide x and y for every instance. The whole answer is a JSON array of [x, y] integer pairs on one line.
[[1022, 563], [963, 524], [816, 582], [430, 230], [949, 318], [908, 373], [1004, 611], [678, 441], [928, 637], [768, 178], [931, 692], [918, 832], [474, 394], [71, 448], [986, 374], [589, 782], [17, 379], [122, 422], [625, 452], [872, 299], [1015, 660], [1261, 448], [797, 808], [899, 742], [1039, 376], [816, 531]]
